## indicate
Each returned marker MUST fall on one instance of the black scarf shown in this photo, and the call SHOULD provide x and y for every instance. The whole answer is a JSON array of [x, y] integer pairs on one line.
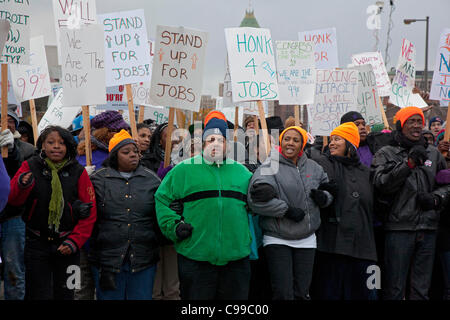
[[402, 141]]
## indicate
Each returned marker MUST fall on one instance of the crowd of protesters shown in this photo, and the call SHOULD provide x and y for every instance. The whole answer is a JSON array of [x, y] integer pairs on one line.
[[362, 217]]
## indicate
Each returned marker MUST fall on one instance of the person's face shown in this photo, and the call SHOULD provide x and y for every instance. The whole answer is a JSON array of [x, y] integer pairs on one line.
[[11, 124], [128, 158], [24, 137], [436, 127], [250, 125], [215, 147], [144, 136], [54, 147], [412, 128], [429, 138], [291, 145], [361, 124], [337, 146]]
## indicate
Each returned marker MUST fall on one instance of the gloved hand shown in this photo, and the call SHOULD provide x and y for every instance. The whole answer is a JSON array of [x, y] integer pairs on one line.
[[26, 179], [81, 210], [90, 170], [262, 192], [163, 171], [107, 280], [6, 139], [331, 187], [295, 214], [183, 230], [177, 206], [428, 201], [319, 197], [417, 155]]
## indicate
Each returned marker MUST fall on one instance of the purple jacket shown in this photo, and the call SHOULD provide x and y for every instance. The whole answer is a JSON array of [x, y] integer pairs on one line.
[[4, 185]]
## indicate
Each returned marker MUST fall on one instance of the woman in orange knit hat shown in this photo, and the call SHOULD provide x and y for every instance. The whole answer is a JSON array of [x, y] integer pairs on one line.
[[345, 239]]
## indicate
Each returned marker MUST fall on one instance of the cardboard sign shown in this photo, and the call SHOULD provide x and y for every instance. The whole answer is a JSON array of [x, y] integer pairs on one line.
[[126, 47], [4, 31], [116, 99], [336, 92], [83, 73], [404, 80], [296, 72], [57, 114], [375, 59], [368, 99], [177, 75], [32, 81], [440, 87], [158, 113], [17, 47], [72, 14], [325, 42], [252, 64]]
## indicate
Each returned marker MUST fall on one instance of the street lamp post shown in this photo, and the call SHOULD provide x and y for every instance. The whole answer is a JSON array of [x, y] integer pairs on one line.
[[427, 20]]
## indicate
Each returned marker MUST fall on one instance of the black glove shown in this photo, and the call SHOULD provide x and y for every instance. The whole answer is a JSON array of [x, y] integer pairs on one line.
[[183, 230], [262, 192], [418, 154], [81, 210], [428, 201], [319, 197], [177, 206], [107, 280], [295, 214], [331, 187]]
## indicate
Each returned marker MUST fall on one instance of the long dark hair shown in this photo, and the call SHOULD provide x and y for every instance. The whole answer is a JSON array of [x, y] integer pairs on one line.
[[67, 137]]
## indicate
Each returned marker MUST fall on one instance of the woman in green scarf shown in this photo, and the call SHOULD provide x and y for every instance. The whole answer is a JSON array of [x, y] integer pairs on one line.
[[59, 216]]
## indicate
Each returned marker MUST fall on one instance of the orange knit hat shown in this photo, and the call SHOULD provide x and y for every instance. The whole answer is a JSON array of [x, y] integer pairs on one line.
[[215, 114], [349, 131], [406, 113], [120, 139], [302, 132]]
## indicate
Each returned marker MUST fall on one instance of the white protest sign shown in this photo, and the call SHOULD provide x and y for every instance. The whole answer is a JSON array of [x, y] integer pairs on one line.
[[251, 107], [368, 99], [416, 100], [405, 75], [17, 47], [83, 73], [336, 92], [57, 114], [252, 64], [141, 90], [296, 72], [11, 97], [440, 87], [4, 31], [227, 101], [325, 42], [127, 58], [375, 59], [72, 15], [177, 75], [116, 99], [158, 113], [32, 81]]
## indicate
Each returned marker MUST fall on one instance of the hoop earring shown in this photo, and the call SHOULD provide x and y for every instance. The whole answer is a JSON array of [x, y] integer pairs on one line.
[[42, 154]]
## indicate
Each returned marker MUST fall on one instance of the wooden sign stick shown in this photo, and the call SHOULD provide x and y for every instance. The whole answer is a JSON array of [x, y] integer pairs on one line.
[[262, 117], [180, 118], [236, 123], [131, 111], [168, 147], [297, 115], [34, 123], [4, 105], [87, 135], [325, 142], [383, 114], [141, 114], [447, 125]]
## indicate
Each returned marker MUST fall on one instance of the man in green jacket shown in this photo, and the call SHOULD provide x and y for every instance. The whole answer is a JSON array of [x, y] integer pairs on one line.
[[201, 207]]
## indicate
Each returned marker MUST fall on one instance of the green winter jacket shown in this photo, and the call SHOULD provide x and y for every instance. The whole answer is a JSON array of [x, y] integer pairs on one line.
[[214, 198]]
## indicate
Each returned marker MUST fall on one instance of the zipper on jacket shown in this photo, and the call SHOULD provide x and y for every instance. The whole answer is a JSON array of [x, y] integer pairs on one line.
[[306, 202], [220, 211]]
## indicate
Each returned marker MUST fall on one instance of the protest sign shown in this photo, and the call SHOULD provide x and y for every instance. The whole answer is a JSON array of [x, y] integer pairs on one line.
[[252, 64], [416, 100], [83, 73], [227, 101], [72, 15], [116, 99], [336, 92], [368, 101], [17, 47], [127, 57], [440, 87], [32, 81], [158, 113], [325, 42], [296, 72], [4, 31], [375, 59], [57, 114], [251, 107], [405, 75], [177, 75], [11, 97]]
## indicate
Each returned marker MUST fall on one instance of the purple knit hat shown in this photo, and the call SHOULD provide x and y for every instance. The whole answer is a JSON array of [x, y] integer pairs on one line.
[[110, 119]]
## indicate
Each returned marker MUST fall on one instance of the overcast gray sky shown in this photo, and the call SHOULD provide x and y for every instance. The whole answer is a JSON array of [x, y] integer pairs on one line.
[[285, 18]]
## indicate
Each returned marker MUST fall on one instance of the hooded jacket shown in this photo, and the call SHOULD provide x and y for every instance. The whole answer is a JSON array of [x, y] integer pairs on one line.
[[292, 184]]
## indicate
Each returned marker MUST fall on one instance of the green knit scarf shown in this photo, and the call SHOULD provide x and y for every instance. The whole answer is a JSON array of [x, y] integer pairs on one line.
[[56, 205]]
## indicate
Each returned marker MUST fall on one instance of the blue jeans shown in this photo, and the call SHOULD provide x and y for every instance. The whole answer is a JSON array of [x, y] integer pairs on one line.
[[129, 286], [445, 260], [13, 243]]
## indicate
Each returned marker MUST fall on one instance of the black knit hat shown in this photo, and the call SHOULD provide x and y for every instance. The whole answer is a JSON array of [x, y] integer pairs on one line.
[[351, 117], [274, 123]]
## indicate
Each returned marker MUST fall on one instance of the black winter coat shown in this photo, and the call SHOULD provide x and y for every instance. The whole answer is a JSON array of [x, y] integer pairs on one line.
[[126, 220], [347, 225]]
